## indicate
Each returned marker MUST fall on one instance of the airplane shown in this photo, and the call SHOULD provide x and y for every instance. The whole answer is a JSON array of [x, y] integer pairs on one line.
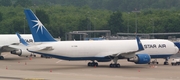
[[139, 59], [20, 50], [139, 52], [11, 39]]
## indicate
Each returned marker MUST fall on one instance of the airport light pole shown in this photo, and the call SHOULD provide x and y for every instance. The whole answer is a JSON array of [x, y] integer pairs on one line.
[[135, 11], [88, 19], [89, 22], [24, 25], [128, 23], [94, 25], [152, 26]]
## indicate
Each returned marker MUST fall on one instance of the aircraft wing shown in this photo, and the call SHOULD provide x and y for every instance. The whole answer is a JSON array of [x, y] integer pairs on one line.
[[43, 48], [12, 47], [118, 54], [46, 48], [4, 47], [127, 54]]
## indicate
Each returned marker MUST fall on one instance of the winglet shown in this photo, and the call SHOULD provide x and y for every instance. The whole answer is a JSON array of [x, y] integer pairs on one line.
[[21, 39], [177, 44], [140, 46]]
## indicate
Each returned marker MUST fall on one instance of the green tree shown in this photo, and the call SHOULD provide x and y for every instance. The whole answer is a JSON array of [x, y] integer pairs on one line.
[[84, 24], [115, 22], [43, 16], [23, 3], [1, 16], [5, 2]]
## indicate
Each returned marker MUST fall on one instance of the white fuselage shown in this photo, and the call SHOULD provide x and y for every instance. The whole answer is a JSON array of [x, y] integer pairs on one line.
[[12, 38], [8, 39], [105, 47]]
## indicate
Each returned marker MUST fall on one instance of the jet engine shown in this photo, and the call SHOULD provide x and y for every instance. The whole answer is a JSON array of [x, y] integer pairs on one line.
[[140, 59], [21, 52]]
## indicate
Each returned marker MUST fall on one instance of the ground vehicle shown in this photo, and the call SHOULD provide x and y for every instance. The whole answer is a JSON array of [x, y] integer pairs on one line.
[[175, 62]]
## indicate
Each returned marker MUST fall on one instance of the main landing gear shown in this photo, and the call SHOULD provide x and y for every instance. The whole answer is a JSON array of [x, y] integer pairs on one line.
[[166, 61], [115, 65], [92, 63], [32, 55]]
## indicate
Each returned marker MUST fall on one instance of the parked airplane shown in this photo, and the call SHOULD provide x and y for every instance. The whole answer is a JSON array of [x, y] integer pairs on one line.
[[11, 39], [101, 51], [20, 49]]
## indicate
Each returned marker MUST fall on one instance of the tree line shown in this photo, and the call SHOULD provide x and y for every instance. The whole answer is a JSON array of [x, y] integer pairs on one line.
[[113, 5], [60, 19]]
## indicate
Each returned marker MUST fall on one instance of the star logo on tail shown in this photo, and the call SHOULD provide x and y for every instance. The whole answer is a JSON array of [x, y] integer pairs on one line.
[[39, 25]]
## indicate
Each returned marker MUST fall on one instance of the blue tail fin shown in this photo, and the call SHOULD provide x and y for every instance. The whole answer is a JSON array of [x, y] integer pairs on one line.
[[39, 32], [22, 40]]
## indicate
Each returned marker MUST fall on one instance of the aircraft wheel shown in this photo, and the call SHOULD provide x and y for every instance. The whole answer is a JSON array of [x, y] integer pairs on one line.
[[92, 64], [166, 63], [172, 64], [114, 65], [42, 56], [95, 64], [117, 65], [1, 58], [111, 65], [89, 64], [157, 62]]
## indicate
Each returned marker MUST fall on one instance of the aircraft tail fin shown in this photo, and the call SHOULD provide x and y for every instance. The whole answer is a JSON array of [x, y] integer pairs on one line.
[[21, 39], [38, 30]]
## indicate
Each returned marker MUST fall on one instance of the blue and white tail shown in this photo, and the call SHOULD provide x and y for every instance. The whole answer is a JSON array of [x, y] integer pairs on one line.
[[39, 32], [21, 39]]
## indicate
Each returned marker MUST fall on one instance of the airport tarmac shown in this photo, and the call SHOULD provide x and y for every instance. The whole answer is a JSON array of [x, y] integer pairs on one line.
[[20, 68]]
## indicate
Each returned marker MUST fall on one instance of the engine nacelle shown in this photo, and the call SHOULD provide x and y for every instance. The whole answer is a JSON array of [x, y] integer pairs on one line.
[[21, 52], [140, 59]]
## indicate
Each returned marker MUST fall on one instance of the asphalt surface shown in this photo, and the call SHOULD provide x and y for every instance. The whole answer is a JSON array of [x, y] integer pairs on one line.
[[20, 68]]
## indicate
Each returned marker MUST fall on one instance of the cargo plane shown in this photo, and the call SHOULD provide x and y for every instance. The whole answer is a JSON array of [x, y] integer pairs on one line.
[[137, 51]]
